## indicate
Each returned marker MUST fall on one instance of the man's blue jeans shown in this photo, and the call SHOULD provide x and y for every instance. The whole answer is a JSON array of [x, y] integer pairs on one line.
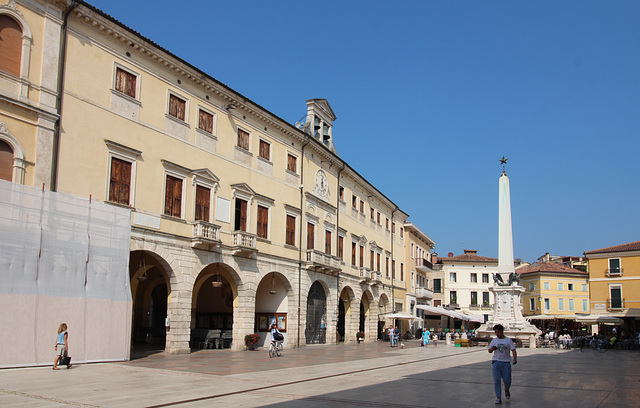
[[502, 370]]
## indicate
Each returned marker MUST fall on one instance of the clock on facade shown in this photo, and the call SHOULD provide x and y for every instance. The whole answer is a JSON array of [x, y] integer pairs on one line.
[[322, 185]]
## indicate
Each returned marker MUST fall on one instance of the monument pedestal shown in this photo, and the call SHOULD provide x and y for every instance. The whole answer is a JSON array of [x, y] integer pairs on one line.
[[508, 312]]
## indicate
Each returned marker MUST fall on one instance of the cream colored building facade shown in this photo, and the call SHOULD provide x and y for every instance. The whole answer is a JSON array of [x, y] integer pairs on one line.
[[239, 219], [467, 279], [418, 249]]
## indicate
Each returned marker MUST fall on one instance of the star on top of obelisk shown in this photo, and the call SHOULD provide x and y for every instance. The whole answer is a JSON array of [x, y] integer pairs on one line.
[[503, 161]]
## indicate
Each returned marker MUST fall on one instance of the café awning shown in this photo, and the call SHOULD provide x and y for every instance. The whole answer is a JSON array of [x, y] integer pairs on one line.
[[437, 310], [597, 319]]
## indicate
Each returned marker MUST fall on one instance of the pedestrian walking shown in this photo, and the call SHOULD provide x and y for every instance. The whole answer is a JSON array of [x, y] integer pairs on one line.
[[426, 334], [501, 362], [62, 345], [392, 337]]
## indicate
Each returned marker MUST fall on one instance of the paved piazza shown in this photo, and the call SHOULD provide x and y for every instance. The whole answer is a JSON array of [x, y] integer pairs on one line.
[[353, 375]]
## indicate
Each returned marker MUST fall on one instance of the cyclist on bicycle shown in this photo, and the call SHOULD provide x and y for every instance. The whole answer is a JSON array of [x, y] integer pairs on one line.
[[276, 335]]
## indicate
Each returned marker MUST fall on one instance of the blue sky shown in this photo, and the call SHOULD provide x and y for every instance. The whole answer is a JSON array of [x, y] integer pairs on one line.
[[430, 95]]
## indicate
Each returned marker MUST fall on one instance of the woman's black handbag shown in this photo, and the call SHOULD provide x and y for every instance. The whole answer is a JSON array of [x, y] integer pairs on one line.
[[65, 360], [277, 336]]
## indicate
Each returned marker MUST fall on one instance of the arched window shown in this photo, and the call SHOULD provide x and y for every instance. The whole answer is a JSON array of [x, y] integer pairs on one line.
[[6, 162], [12, 159], [10, 45]]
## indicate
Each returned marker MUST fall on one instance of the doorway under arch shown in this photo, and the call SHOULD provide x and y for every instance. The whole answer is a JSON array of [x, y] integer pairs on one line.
[[316, 322], [150, 293]]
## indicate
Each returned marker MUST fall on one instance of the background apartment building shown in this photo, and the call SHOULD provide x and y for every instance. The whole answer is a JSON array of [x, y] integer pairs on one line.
[[466, 282], [238, 218], [614, 282], [553, 288]]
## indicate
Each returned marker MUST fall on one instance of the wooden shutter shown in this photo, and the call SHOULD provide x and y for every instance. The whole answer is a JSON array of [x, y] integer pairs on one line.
[[6, 161], [378, 262], [291, 230], [341, 247], [327, 242], [177, 107], [265, 150], [203, 199], [311, 231], [353, 253], [243, 139], [173, 197], [263, 221], [371, 260], [361, 256], [291, 163], [205, 121], [10, 45], [125, 82], [120, 183], [242, 206]]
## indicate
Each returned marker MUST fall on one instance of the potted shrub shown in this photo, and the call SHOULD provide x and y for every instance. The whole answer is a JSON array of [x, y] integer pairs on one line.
[[360, 336], [250, 340]]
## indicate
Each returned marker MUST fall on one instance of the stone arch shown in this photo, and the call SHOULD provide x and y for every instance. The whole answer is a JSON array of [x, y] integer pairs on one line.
[[316, 320], [368, 314], [345, 321], [151, 294], [384, 307], [275, 299], [214, 298], [19, 162]]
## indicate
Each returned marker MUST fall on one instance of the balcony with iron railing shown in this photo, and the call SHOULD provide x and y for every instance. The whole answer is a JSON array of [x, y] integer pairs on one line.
[[615, 272], [322, 262], [205, 235], [423, 265], [615, 304]]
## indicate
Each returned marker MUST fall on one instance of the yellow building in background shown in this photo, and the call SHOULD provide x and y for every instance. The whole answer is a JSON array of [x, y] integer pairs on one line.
[[554, 289], [614, 280]]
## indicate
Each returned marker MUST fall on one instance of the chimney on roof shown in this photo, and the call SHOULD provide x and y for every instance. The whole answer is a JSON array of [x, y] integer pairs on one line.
[[471, 251]]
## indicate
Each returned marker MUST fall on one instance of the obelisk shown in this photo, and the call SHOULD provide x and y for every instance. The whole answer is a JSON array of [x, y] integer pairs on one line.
[[505, 234], [507, 309]]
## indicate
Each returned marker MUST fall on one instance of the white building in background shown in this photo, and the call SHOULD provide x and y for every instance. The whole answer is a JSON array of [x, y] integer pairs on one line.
[[467, 279]]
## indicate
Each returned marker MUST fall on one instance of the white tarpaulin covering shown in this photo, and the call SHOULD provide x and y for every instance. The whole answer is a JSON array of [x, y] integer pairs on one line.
[[437, 310], [401, 316], [62, 259]]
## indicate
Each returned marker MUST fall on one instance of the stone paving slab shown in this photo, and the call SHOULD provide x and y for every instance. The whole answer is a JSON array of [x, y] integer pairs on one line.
[[346, 375]]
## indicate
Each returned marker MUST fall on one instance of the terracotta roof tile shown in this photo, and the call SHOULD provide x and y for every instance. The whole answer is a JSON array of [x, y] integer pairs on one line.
[[549, 267], [631, 246], [469, 257]]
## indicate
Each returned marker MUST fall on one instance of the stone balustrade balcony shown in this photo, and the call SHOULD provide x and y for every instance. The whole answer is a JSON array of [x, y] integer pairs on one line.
[[322, 262], [244, 244], [205, 235], [424, 293]]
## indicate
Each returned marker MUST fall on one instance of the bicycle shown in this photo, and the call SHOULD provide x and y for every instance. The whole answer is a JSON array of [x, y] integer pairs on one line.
[[275, 349]]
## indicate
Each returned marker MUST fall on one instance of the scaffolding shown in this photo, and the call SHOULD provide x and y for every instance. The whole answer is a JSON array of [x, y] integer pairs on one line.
[[62, 259]]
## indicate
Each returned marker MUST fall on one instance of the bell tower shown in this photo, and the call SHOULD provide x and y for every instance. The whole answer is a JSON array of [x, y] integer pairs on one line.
[[319, 122]]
